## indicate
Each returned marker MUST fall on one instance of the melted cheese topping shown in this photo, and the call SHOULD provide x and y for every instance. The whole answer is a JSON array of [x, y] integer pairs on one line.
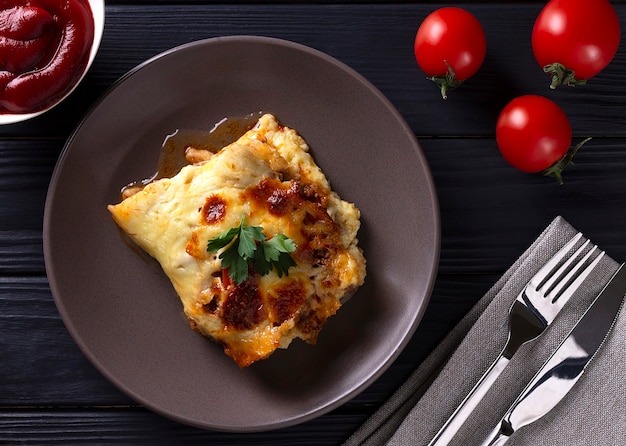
[[269, 176]]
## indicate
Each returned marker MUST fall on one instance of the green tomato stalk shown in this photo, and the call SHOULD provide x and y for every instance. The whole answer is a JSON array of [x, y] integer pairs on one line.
[[561, 75], [446, 82], [555, 171]]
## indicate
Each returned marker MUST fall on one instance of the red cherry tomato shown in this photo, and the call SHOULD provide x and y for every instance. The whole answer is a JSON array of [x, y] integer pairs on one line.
[[534, 135], [450, 46], [573, 40]]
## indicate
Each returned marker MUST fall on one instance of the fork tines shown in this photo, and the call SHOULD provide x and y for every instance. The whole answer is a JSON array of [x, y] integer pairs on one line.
[[564, 273]]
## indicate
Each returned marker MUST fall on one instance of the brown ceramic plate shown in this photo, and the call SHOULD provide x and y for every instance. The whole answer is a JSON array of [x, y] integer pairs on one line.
[[121, 309]]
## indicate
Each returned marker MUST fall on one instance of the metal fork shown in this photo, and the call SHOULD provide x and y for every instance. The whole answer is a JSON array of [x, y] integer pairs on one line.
[[534, 309]]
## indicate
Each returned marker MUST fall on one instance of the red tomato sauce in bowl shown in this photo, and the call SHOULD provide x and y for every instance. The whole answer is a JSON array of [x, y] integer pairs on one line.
[[44, 50]]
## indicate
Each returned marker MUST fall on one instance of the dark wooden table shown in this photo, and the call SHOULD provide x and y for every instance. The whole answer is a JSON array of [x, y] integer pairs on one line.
[[49, 392]]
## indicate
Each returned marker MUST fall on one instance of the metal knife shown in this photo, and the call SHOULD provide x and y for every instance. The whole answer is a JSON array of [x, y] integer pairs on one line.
[[566, 365]]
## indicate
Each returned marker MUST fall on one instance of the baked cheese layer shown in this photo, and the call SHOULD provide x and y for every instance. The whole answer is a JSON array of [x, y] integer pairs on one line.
[[269, 177]]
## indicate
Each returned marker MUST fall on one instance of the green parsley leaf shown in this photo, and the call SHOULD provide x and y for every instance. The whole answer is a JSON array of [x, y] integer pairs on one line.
[[224, 238], [282, 265], [248, 246], [262, 264], [248, 236], [281, 243], [237, 266], [275, 255]]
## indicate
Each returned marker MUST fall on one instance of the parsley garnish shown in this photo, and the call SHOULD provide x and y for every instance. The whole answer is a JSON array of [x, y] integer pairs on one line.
[[250, 247]]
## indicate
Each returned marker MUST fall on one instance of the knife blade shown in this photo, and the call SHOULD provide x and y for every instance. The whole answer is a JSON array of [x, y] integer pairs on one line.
[[567, 364]]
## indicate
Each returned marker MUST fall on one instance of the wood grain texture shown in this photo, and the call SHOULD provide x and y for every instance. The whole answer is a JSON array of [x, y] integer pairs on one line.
[[46, 367], [471, 177], [51, 394], [376, 41], [132, 426]]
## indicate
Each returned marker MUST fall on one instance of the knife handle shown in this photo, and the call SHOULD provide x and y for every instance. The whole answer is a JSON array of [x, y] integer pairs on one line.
[[460, 415]]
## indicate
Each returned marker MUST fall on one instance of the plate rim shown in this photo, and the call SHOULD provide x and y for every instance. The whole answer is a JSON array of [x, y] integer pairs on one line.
[[329, 405]]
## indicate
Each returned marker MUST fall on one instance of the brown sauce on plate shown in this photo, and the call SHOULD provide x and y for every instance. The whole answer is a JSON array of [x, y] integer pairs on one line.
[[176, 145]]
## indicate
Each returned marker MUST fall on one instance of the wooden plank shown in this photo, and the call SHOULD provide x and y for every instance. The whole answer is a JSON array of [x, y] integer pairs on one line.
[[375, 40], [470, 176], [473, 180], [26, 166], [43, 366], [134, 426], [21, 252], [49, 391]]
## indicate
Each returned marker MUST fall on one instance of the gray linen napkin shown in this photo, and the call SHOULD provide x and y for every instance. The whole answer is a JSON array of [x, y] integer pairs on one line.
[[592, 414]]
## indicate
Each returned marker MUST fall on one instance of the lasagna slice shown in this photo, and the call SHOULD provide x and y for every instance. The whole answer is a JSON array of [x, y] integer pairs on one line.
[[267, 178]]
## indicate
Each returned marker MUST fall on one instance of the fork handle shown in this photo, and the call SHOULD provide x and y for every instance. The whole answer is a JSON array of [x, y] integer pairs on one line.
[[456, 420]]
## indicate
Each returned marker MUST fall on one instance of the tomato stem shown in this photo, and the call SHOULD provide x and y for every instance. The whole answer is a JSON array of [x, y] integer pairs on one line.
[[556, 169], [446, 82], [561, 75]]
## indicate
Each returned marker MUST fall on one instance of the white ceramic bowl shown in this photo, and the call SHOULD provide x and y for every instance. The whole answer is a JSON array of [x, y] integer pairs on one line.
[[97, 9]]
